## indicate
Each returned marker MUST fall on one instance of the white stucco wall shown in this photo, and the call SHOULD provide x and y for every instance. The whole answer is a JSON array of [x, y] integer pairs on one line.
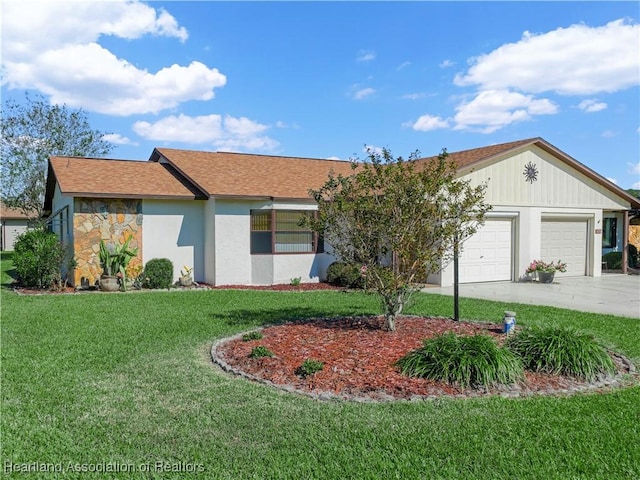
[[235, 265], [174, 230], [232, 242], [209, 222]]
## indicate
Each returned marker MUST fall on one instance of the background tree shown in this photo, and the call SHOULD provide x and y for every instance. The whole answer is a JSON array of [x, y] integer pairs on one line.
[[30, 133], [399, 218], [634, 192]]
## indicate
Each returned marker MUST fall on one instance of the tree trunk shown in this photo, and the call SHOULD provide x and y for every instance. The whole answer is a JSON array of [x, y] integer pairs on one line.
[[393, 309], [390, 322]]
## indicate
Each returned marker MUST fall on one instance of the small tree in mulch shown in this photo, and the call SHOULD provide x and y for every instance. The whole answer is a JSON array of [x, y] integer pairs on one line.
[[399, 219]]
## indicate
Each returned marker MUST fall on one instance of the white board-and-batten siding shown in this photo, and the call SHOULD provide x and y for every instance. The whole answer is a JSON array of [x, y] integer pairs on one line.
[[557, 184]]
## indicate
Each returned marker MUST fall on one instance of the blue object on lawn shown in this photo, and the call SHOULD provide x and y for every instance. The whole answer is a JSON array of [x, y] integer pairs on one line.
[[508, 322]]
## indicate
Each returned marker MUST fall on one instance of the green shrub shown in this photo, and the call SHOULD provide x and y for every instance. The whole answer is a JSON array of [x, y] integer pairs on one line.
[[633, 255], [309, 367], [255, 335], [558, 350], [346, 275], [464, 360], [613, 259], [38, 258], [260, 351], [158, 273]]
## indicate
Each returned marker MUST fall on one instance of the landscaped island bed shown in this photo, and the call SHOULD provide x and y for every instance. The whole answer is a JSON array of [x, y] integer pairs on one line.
[[359, 356]]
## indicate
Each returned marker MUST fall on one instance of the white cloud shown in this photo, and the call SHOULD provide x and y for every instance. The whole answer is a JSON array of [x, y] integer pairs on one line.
[[414, 96], [363, 93], [612, 180], [281, 124], [366, 56], [333, 158], [609, 134], [117, 139], [447, 63], [427, 123], [493, 109], [577, 60], [40, 37], [372, 150], [226, 133], [404, 65], [592, 105], [636, 185], [634, 168]]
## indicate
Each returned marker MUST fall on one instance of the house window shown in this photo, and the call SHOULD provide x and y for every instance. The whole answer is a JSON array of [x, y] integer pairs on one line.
[[609, 237], [278, 231]]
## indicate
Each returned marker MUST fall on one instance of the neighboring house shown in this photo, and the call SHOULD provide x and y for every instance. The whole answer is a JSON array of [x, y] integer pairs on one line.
[[234, 217], [13, 222]]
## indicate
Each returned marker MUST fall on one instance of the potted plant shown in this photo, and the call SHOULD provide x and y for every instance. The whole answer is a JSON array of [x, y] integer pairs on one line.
[[114, 263], [546, 271], [186, 280]]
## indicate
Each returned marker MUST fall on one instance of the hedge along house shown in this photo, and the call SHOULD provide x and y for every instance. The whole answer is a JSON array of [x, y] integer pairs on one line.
[[234, 217]]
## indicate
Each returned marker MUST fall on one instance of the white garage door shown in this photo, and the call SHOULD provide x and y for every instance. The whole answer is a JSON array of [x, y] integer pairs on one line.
[[486, 257], [565, 240]]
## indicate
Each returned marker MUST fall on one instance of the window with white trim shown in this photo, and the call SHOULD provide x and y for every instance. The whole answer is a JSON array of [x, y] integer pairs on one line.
[[279, 232]]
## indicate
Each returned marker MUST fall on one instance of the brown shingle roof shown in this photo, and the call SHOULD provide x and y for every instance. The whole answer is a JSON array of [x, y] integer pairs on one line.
[[119, 178], [8, 213], [245, 175], [466, 158]]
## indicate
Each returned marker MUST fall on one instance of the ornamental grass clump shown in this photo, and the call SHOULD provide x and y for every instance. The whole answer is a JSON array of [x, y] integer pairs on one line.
[[463, 360], [309, 367], [254, 335], [561, 351], [261, 351]]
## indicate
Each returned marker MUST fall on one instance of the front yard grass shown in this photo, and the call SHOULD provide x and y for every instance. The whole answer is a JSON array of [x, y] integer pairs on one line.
[[126, 379]]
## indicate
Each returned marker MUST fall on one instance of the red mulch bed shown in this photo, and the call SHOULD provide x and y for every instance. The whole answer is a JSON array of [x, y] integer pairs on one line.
[[358, 357]]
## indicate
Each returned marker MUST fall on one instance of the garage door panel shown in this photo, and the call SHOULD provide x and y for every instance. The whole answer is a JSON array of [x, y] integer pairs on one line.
[[487, 255], [565, 240]]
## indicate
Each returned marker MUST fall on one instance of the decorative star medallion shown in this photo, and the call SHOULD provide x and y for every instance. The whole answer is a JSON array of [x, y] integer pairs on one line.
[[530, 172]]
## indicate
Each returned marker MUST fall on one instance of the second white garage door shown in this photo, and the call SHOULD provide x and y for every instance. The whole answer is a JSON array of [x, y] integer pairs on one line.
[[565, 240], [486, 257]]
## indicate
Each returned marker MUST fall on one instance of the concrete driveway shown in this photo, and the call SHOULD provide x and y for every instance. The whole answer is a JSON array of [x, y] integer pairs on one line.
[[615, 294]]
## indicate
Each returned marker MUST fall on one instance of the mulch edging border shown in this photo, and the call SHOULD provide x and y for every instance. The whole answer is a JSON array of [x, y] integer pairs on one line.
[[619, 380]]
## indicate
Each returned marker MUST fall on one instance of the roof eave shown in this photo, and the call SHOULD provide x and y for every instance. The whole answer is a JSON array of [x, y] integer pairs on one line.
[[263, 197], [156, 155], [145, 196]]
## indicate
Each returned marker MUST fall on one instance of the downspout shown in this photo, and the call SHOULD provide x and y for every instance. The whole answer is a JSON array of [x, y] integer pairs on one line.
[[625, 241]]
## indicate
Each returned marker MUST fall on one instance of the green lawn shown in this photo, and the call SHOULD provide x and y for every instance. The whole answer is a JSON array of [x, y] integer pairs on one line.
[[101, 380]]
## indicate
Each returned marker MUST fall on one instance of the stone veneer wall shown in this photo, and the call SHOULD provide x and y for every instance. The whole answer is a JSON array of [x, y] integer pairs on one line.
[[111, 220]]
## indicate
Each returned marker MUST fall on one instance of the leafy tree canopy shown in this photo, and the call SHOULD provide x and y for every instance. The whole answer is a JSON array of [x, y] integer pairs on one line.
[[30, 133], [634, 192], [399, 218]]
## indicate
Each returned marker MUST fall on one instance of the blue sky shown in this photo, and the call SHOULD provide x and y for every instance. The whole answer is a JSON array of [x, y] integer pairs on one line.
[[324, 79]]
